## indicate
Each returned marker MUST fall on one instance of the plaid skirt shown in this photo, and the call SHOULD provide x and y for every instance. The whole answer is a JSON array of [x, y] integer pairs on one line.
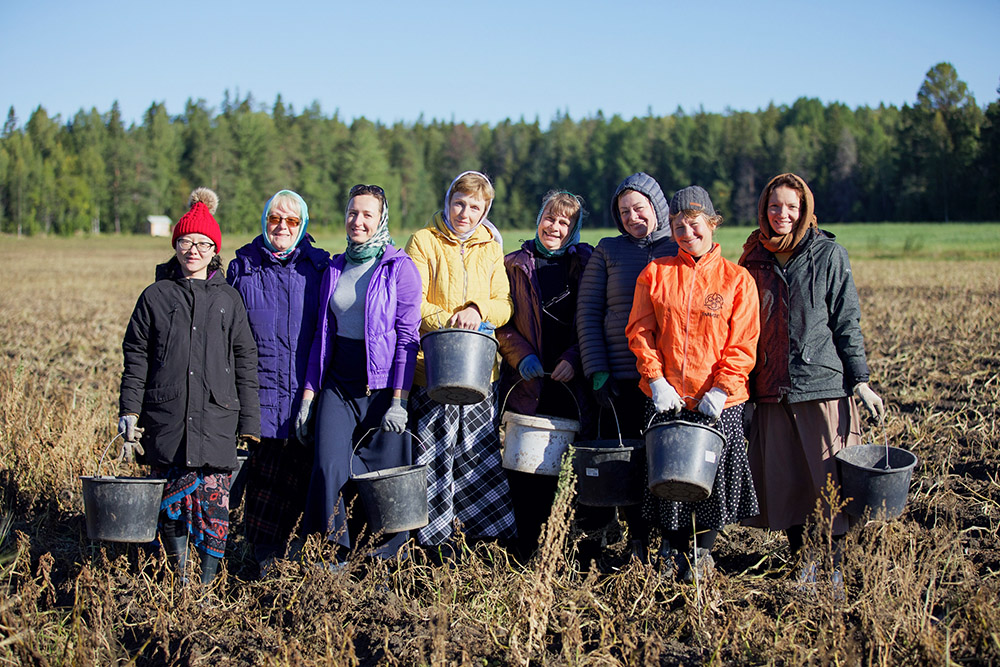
[[277, 484], [733, 496], [466, 482], [200, 498]]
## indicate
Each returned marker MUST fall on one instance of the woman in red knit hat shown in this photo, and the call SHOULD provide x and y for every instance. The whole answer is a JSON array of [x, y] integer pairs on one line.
[[189, 387]]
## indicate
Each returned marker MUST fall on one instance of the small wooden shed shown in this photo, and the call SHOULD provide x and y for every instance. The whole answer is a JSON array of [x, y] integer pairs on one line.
[[158, 225]]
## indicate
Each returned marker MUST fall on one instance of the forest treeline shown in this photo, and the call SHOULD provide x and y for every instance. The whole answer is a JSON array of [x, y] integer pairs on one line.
[[936, 159]]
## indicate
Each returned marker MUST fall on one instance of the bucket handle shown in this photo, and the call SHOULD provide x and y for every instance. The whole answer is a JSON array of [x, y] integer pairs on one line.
[[97, 471], [650, 422], [503, 406], [354, 450], [618, 426]]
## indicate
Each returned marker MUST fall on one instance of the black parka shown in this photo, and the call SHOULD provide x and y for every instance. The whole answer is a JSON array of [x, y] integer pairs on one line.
[[190, 371]]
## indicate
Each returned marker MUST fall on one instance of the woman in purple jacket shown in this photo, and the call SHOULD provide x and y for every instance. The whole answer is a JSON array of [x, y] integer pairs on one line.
[[361, 366], [278, 275]]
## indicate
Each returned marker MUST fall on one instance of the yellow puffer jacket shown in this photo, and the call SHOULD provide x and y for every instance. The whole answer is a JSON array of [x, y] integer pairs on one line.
[[456, 275]]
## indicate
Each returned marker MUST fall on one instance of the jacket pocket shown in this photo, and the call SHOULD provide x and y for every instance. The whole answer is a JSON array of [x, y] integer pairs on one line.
[[223, 400], [157, 395], [166, 336]]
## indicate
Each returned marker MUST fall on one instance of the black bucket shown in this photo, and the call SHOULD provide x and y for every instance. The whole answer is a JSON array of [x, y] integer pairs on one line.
[[609, 473], [395, 499], [459, 365], [875, 479], [122, 509], [682, 458]]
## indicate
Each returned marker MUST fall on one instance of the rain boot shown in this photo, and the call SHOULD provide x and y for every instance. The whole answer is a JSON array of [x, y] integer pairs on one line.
[[174, 538], [209, 568]]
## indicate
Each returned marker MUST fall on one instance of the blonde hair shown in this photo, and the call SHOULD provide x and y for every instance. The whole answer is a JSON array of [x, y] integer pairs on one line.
[[560, 202], [474, 184], [284, 199]]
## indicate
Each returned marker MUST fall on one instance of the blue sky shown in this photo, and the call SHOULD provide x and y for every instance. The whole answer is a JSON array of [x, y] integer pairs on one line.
[[488, 61]]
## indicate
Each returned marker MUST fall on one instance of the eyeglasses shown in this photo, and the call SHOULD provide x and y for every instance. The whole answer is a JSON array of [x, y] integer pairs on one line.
[[291, 220], [203, 246], [367, 190]]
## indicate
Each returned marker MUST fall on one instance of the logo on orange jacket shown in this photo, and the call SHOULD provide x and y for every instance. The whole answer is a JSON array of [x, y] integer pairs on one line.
[[714, 301]]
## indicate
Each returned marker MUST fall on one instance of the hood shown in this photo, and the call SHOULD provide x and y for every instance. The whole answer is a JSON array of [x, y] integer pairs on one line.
[[644, 183]]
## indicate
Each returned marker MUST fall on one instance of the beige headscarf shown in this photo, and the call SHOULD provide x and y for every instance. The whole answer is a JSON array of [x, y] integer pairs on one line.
[[765, 236]]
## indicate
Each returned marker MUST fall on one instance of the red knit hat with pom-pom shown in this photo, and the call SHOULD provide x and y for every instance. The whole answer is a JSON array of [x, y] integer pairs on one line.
[[199, 220]]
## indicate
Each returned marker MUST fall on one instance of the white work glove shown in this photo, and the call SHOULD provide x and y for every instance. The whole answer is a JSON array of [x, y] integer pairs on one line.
[[870, 400], [302, 420], [131, 434], [394, 419], [713, 402], [665, 397]]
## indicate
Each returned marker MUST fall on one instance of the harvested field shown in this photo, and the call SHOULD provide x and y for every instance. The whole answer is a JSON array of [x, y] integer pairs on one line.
[[922, 589]]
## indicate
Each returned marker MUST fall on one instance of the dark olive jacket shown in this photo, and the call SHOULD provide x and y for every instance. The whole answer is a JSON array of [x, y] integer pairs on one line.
[[810, 345], [190, 371]]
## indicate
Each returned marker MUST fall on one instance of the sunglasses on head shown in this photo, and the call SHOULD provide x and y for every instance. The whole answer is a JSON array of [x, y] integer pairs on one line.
[[367, 190], [291, 220]]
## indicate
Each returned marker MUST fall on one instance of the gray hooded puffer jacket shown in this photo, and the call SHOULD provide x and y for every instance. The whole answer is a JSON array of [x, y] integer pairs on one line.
[[608, 284]]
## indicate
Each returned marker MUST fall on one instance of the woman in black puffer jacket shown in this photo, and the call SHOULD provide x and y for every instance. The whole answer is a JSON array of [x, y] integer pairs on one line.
[[641, 212]]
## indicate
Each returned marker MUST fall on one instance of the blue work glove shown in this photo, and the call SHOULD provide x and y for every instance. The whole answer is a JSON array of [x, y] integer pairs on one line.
[[531, 367], [394, 419]]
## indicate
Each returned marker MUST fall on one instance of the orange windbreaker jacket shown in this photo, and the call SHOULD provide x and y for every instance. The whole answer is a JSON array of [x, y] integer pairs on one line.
[[695, 324]]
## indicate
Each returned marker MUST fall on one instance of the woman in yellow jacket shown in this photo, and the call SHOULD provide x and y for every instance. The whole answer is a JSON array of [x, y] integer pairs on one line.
[[460, 259], [693, 328]]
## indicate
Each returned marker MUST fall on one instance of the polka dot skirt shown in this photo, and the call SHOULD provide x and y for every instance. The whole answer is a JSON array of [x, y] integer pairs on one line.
[[733, 497]]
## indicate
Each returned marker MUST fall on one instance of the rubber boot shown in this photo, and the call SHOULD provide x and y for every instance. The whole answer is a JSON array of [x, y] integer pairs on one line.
[[209, 568], [176, 548], [640, 551]]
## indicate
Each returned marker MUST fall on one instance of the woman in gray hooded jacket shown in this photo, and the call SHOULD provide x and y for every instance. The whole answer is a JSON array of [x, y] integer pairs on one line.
[[811, 370], [641, 212]]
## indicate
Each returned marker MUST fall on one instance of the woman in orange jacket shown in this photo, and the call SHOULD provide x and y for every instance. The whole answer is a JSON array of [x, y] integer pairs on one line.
[[693, 328]]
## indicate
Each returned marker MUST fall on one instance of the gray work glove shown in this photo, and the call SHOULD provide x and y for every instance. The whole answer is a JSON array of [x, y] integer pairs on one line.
[[302, 420], [131, 434], [395, 417], [870, 400]]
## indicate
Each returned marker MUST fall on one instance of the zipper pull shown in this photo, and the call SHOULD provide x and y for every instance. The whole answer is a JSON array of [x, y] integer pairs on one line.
[[368, 391]]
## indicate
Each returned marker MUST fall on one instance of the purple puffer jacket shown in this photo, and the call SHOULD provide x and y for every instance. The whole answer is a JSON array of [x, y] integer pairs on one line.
[[281, 301], [392, 322]]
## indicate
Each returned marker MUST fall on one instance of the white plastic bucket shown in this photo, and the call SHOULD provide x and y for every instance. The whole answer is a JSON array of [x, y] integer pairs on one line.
[[536, 444]]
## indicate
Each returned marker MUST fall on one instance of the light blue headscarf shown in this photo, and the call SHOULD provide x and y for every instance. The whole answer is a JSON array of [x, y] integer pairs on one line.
[[303, 216], [483, 221], [574, 233]]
